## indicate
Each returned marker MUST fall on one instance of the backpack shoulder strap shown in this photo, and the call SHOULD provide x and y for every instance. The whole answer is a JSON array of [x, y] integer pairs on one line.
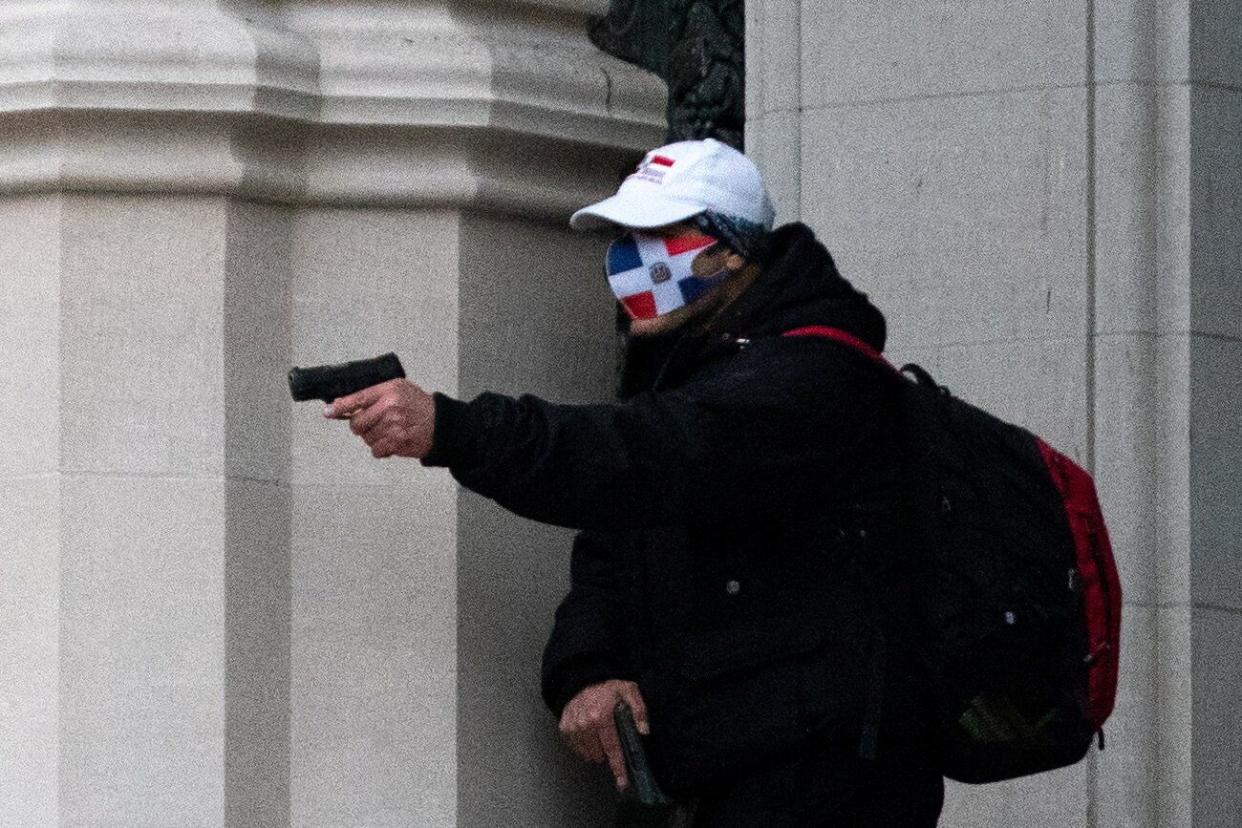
[[845, 338]]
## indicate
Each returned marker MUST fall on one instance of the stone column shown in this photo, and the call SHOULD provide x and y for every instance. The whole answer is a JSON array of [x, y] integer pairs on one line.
[[216, 608], [1045, 199]]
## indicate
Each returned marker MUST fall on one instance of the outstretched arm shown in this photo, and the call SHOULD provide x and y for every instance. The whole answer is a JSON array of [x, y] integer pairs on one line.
[[730, 439], [736, 437]]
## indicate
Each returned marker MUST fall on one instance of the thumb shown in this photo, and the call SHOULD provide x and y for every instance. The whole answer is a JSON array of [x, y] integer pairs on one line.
[[630, 693]]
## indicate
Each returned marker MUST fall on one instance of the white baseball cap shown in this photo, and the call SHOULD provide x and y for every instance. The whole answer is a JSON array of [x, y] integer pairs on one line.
[[681, 180]]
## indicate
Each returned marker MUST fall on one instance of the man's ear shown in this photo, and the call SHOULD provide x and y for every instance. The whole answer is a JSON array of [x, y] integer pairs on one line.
[[735, 262]]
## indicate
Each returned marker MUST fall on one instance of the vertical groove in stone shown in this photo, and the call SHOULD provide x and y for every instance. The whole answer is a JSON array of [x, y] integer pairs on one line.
[[1092, 767], [797, 138], [257, 319], [1089, 449]]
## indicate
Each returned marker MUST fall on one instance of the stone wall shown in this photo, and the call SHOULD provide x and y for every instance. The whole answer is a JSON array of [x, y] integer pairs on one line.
[[1045, 198], [215, 607]]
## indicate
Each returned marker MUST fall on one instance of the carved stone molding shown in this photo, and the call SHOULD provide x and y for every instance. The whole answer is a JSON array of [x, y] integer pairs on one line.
[[497, 105], [698, 47]]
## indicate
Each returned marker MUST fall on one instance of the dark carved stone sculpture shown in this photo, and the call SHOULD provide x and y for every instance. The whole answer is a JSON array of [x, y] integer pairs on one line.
[[698, 47]]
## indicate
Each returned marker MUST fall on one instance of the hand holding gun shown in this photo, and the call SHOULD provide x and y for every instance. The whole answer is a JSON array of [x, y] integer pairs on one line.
[[394, 417]]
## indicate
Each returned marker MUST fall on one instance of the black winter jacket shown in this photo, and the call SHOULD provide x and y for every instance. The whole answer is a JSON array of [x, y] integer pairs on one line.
[[725, 503]]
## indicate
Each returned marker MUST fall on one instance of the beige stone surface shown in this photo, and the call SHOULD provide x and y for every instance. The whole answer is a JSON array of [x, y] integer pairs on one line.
[[1174, 508], [256, 333], [1217, 640], [1216, 472], [312, 101], [536, 317], [30, 602], [775, 140], [134, 298], [1216, 205], [774, 48], [1142, 279], [1038, 384], [1173, 210], [964, 217], [1129, 768], [536, 311], [1142, 40], [1127, 193], [157, 328], [1174, 712], [1126, 460], [142, 650], [856, 52], [374, 653], [1217, 47], [1056, 798], [142, 352], [30, 334], [511, 575], [257, 598]]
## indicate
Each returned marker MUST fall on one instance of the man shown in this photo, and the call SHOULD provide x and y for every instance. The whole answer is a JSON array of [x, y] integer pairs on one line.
[[737, 507]]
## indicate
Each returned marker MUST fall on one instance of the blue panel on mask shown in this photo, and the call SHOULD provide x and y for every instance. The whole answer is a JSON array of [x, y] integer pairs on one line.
[[693, 288], [623, 255]]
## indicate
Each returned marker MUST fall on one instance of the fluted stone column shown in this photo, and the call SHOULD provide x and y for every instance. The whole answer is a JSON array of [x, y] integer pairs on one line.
[[215, 608], [1045, 198]]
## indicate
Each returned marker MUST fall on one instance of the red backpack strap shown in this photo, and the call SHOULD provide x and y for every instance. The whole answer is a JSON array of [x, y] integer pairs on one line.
[[845, 338]]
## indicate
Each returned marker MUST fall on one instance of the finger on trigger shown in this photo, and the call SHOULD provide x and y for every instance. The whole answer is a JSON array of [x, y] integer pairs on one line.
[[351, 403]]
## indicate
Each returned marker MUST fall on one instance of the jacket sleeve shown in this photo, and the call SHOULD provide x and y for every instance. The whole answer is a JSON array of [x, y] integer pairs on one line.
[[726, 440], [587, 644]]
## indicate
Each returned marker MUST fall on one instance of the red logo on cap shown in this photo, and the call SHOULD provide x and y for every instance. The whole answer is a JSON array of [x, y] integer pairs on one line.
[[662, 161]]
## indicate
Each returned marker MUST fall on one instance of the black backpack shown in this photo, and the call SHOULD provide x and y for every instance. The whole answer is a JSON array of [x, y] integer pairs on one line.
[[1017, 604]]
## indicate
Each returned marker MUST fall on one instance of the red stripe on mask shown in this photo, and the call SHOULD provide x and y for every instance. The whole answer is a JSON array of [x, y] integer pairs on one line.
[[677, 245]]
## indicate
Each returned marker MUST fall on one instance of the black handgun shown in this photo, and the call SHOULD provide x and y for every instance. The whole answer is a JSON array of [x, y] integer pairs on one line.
[[328, 382], [641, 802]]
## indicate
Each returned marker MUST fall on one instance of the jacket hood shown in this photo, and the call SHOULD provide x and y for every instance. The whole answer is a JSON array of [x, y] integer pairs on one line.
[[800, 285]]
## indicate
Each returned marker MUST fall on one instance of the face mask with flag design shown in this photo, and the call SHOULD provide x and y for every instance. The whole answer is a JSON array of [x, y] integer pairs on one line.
[[651, 275]]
